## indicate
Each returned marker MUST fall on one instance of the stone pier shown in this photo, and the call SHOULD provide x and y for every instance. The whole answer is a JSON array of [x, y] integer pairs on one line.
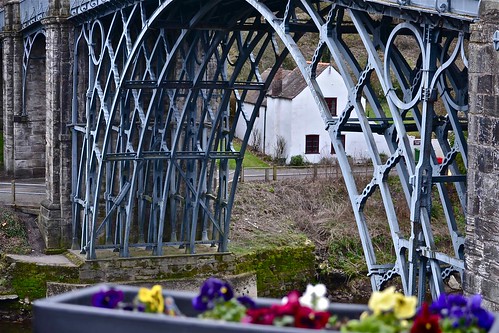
[[37, 76], [482, 230]]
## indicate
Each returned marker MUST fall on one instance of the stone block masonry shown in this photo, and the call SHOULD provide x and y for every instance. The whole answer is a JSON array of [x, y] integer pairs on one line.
[[278, 271], [269, 273], [36, 67], [482, 219]]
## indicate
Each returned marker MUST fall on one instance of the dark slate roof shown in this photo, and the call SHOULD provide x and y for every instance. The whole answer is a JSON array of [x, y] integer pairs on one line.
[[252, 95], [293, 83]]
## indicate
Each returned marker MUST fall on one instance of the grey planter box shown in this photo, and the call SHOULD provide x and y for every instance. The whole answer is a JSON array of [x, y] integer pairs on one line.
[[72, 313]]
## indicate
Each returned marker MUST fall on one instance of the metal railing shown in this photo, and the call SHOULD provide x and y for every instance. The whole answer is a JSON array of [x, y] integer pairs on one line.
[[455, 7], [33, 11], [459, 7], [78, 7]]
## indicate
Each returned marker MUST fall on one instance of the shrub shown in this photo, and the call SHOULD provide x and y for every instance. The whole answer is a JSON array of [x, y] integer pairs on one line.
[[297, 160], [280, 149]]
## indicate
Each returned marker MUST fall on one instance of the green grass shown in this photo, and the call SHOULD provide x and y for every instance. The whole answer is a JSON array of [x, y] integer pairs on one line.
[[250, 160]]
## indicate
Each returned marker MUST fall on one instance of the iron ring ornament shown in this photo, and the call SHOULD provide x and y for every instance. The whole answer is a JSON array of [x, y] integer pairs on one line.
[[390, 45], [167, 82], [81, 6], [92, 48], [444, 74]]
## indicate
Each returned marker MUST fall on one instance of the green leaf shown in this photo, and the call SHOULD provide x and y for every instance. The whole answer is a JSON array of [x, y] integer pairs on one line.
[[284, 321]]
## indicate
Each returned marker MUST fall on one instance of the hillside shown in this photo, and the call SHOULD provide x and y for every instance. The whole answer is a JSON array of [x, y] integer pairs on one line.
[[290, 211], [287, 212]]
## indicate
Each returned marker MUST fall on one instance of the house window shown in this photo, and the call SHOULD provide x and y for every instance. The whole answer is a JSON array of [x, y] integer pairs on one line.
[[332, 103], [312, 144], [342, 142]]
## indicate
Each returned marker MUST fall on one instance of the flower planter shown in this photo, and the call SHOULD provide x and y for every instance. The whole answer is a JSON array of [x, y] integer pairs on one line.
[[72, 312]]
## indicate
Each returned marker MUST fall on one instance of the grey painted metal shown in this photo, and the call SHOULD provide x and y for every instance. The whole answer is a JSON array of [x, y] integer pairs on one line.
[[462, 7], [177, 149], [32, 11], [495, 39], [2, 19], [416, 255], [153, 123], [73, 312]]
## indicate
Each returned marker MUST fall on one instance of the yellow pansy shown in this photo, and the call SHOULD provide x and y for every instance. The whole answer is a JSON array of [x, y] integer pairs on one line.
[[405, 324], [152, 298], [382, 301], [405, 306], [364, 315]]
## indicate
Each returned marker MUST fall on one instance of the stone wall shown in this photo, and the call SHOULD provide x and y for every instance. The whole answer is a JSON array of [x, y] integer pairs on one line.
[[23, 102], [154, 268], [36, 105], [278, 271], [29, 122], [55, 212], [482, 229], [12, 57], [270, 273]]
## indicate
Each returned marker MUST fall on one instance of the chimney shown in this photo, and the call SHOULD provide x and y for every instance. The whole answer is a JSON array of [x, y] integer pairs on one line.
[[277, 84]]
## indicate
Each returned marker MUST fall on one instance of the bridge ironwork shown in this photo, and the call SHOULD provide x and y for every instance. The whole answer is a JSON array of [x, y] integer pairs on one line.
[[2, 19], [158, 89], [33, 11]]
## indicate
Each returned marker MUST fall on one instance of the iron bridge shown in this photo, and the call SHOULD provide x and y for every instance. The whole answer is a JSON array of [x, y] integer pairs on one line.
[[159, 87]]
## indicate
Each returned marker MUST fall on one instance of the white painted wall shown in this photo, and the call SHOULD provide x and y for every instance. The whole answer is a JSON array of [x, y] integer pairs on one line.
[[307, 119], [241, 123], [295, 119]]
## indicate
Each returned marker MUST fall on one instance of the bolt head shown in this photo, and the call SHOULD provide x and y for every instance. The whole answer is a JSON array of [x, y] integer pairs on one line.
[[495, 39], [443, 6]]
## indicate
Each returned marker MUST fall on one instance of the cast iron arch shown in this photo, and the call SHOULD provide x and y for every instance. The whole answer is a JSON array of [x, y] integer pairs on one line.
[[158, 121]]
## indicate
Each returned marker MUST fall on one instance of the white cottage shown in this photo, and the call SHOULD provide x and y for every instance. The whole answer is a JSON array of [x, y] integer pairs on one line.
[[289, 114]]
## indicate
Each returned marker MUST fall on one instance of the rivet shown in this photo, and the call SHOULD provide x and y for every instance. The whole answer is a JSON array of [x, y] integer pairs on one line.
[[496, 40]]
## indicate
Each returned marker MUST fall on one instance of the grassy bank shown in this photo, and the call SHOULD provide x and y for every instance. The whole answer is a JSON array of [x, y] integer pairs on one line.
[[294, 211], [251, 159]]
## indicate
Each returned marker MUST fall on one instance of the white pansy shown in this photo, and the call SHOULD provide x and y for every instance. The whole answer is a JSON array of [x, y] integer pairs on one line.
[[315, 298]]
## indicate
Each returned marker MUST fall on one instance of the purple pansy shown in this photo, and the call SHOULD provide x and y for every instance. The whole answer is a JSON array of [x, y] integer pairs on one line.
[[133, 307], [107, 298], [212, 289], [448, 305], [464, 312], [247, 302], [484, 318]]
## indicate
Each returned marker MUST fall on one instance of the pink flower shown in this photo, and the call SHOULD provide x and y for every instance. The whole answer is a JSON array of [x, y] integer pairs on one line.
[[262, 316], [289, 307], [305, 317], [426, 322]]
